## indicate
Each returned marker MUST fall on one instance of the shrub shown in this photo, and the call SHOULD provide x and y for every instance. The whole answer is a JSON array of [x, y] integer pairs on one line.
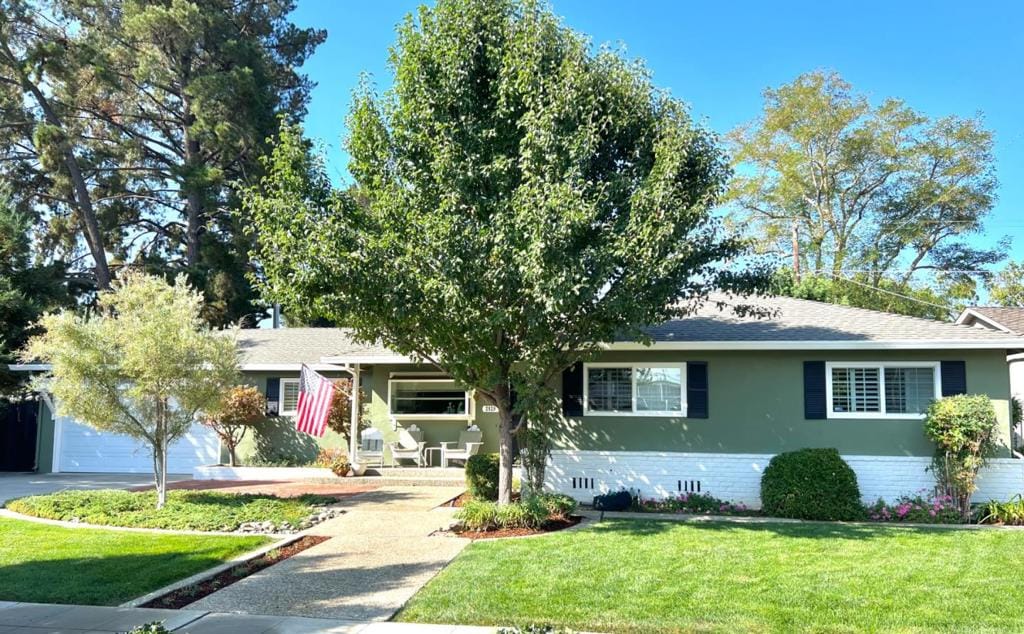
[[156, 627], [963, 428], [811, 484], [335, 459], [922, 508], [482, 476], [699, 503], [240, 407], [614, 501], [1010, 513], [481, 515], [558, 505]]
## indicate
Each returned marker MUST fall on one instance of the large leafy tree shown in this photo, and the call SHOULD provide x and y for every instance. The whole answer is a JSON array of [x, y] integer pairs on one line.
[[520, 200], [43, 157], [873, 195], [1006, 288], [161, 106], [145, 366]]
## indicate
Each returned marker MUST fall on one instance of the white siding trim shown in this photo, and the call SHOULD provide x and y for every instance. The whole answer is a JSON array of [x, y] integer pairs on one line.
[[923, 344], [737, 477]]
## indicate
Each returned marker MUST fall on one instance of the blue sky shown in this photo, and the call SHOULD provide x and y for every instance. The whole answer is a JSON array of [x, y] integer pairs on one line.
[[941, 57]]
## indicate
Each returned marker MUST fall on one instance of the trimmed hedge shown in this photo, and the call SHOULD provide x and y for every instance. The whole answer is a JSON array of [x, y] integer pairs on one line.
[[482, 476], [811, 484]]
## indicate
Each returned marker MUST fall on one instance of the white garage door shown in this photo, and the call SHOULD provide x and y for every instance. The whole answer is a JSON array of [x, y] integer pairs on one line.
[[82, 449]]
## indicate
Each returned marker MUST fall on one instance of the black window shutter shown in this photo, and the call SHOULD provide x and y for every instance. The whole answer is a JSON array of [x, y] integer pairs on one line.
[[814, 390], [572, 390], [954, 377], [696, 389], [273, 393]]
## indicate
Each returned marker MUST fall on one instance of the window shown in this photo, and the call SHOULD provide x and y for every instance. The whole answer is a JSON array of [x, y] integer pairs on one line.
[[289, 397], [881, 390], [635, 390], [428, 397]]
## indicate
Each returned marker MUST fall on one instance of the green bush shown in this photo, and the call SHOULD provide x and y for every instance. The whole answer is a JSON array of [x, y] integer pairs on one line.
[[1007, 513], [963, 428], [335, 459], [481, 515], [482, 476], [614, 501], [558, 505], [156, 627], [811, 484]]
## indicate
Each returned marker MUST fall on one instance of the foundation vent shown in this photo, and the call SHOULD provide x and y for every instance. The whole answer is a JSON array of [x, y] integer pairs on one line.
[[688, 486], [583, 483]]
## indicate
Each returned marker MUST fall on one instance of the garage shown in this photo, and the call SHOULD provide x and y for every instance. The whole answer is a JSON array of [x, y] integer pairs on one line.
[[79, 448]]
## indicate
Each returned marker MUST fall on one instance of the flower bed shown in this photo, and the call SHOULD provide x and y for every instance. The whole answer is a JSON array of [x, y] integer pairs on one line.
[[921, 508], [695, 503]]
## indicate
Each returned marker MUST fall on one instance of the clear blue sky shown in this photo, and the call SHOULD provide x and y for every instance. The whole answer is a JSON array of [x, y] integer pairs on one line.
[[941, 57]]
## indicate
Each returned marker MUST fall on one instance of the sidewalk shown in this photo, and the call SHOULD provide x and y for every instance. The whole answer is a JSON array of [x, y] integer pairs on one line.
[[380, 554], [49, 618]]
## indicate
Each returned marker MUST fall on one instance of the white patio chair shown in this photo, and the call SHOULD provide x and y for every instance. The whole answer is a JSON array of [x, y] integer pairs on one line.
[[409, 446], [371, 448], [469, 443]]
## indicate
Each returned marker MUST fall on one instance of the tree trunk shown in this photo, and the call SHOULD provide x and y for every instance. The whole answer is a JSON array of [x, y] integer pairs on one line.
[[232, 459], [193, 196], [505, 453]]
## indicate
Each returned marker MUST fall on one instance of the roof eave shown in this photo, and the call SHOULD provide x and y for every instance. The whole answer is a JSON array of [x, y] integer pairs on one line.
[[970, 313], [817, 345]]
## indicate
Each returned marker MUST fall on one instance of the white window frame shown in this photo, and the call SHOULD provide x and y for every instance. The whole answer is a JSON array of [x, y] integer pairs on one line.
[[880, 366], [634, 413], [280, 387], [468, 400]]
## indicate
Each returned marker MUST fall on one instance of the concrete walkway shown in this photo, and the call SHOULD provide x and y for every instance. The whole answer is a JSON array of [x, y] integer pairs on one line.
[[380, 554], [43, 617]]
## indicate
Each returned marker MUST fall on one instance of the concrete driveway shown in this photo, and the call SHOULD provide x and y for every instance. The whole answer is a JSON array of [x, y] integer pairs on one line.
[[16, 485]]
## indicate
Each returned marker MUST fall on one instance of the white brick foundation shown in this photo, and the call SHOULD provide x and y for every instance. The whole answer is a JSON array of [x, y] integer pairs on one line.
[[737, 477]]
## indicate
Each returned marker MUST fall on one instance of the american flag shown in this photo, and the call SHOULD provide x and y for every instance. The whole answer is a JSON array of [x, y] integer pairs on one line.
[[316, 393]]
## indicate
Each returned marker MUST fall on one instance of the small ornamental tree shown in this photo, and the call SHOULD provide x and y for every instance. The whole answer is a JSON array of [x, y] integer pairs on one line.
[[144, 365], [963, 428], [519, 200], [241, 407], [339, 419]]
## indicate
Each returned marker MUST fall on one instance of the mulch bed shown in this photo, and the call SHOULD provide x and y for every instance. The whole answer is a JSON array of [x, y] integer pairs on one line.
[[182, 597], [461, 499], [550, 527]]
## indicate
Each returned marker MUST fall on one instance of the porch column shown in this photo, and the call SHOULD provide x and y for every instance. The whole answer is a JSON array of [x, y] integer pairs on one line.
[[354, 429]]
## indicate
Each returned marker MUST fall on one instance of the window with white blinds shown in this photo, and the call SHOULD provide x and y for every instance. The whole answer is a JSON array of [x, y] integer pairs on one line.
[[636, 389], [881, 390]]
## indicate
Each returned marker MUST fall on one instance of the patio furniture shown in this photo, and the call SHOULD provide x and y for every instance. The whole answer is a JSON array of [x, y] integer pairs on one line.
[[469, 443], [409, 446], [433, 456], [371, 448]]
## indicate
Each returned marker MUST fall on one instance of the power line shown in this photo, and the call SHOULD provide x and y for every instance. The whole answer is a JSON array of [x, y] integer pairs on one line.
[[948, 309]]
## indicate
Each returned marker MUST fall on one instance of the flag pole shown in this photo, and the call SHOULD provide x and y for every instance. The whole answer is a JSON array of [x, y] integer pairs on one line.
[[354, 423]]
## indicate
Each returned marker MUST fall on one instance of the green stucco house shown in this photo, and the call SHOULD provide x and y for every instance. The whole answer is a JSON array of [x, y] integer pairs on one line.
[[703, 408]]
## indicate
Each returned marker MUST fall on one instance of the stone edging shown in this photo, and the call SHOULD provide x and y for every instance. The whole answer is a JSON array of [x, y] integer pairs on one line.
[[210, 572], [597, 516]]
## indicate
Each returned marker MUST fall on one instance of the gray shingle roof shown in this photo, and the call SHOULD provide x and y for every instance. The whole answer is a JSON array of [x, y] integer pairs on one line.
[[799, 320], [292, 346], [792, 322], [1012, 318]]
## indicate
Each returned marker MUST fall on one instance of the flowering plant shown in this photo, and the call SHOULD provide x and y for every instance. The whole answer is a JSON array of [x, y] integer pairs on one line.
[[923, 507], [700, 503]]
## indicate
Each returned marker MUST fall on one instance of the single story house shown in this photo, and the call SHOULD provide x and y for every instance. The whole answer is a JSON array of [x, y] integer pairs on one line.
[[702, 408]]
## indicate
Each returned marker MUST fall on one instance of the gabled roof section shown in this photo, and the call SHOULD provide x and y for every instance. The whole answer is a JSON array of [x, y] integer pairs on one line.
[[1010, 320], [287, 348], [801, 324]]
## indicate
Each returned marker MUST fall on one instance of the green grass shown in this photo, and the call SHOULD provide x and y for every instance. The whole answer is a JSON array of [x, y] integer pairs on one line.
[[649, 576], [52, 564], [185, 510]]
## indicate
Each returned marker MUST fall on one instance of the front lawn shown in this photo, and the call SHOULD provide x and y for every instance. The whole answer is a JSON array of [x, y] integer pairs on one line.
[[185, 510], [52, 564], [649, 576]]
